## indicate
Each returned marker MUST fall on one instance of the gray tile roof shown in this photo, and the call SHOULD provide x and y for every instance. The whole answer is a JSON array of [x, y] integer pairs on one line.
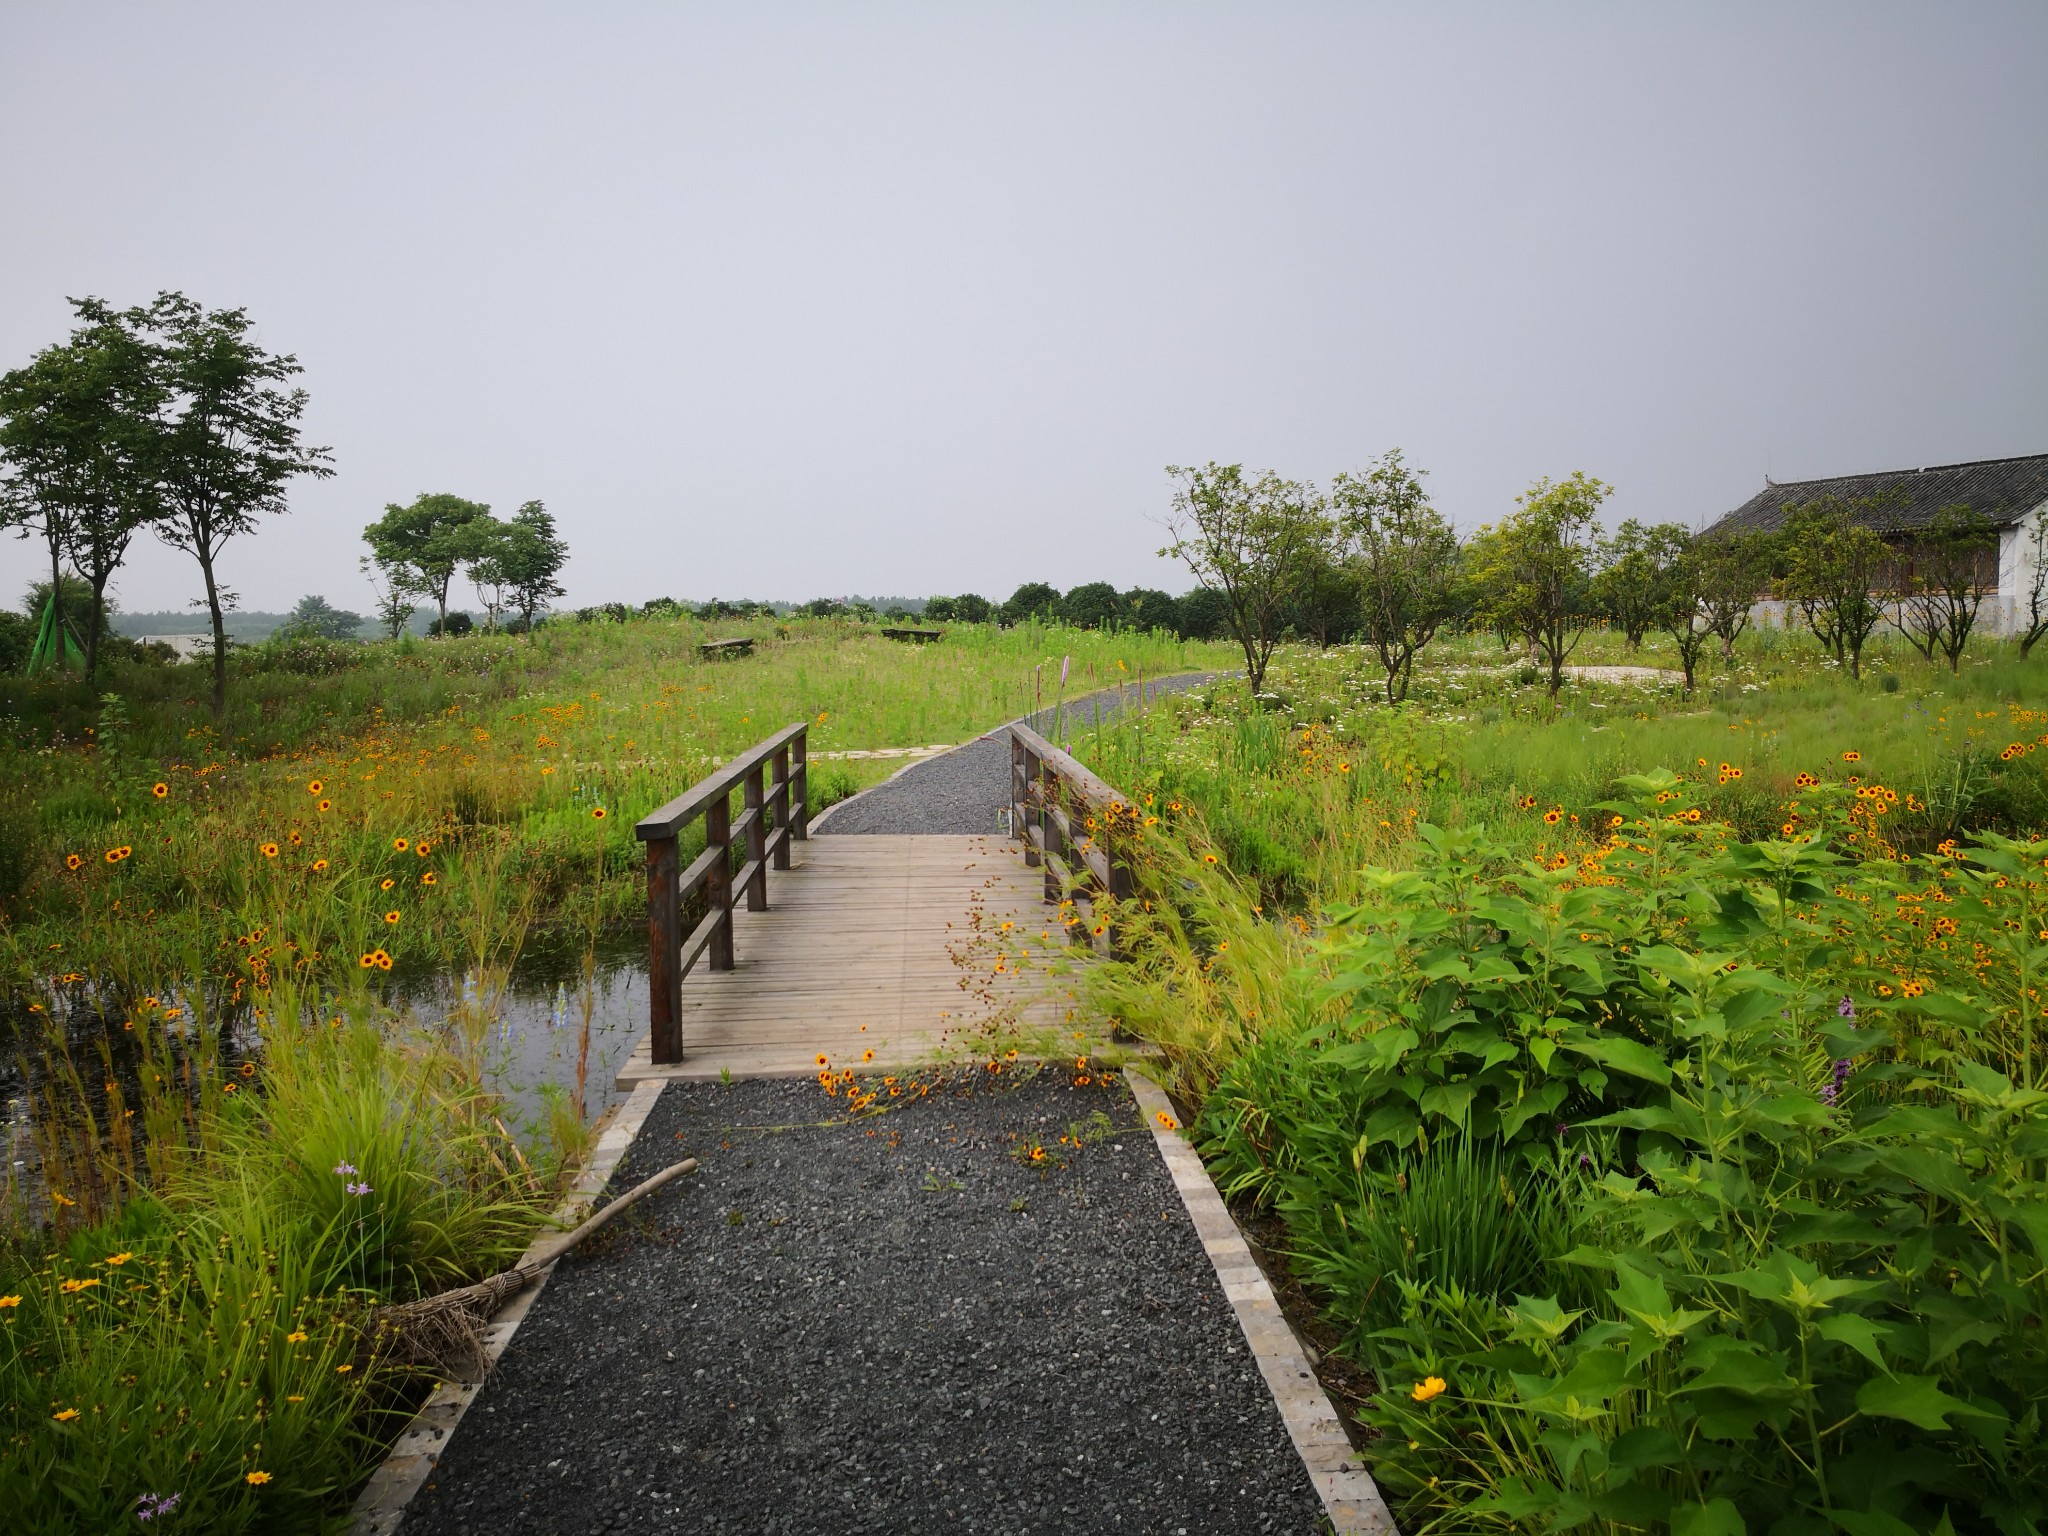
[[2004, 490]]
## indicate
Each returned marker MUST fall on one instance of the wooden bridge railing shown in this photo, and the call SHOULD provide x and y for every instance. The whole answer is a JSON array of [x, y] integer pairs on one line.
[[772, 812], [1051, 799]]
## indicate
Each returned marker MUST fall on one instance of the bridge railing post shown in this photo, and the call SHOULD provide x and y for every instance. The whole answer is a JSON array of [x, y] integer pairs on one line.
[[755, 803], [664, 953], [778, 799], [800, 776], [718, 879]]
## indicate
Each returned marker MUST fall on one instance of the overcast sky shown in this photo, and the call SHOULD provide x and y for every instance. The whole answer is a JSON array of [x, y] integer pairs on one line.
[[785, 300]]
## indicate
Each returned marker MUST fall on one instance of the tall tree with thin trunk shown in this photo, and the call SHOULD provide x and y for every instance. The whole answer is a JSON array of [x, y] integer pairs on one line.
[[72, 430], [224, 441], [1256, 541], [1404, 560]]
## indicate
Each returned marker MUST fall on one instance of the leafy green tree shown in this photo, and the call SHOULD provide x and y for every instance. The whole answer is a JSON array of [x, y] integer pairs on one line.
[[1147, 608], [1201, 615], [74, 436], [1033, 600], [1628, 564], [485, 561], [973, 608], [1324, 606], [396, 602], [940, 610], [1732, 571], [1545, 569], [317, 619], [1938, 592], [1404, 560], [1490, 583], [221, 438], [422, 544], [1678, 584], [1835, 565], [1255, 541], [1092, 605]]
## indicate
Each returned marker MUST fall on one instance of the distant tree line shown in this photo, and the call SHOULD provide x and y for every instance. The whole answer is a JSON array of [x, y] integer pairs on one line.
[[1372, 561]]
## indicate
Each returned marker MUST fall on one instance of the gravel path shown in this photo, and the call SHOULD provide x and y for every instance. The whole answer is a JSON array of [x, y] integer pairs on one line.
[[893, 1325], [961, 791]]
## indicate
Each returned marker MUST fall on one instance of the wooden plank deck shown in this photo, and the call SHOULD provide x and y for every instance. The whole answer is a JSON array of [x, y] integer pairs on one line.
[[876, 943]]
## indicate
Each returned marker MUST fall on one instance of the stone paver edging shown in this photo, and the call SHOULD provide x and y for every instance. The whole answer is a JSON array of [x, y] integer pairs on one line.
[[1349, 1494], [413, 1456]]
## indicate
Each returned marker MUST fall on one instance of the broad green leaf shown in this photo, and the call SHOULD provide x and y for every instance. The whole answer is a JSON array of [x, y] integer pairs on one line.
[[1623, 1055], [1856, 1331], [1918, 1400], [1753, 1375], [1716, 1517]]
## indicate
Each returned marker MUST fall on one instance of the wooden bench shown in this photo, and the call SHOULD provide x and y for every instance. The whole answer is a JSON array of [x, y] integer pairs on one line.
[[744, 646], [919, 636], [771, 814]]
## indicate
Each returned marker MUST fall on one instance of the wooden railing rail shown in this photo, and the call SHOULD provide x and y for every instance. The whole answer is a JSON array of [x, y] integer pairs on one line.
[[771, 813], [1051, 798]]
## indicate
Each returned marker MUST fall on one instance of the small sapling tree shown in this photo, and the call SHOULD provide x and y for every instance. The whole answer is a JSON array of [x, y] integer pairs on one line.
[[1834, 568], [1937, 591], [1546, 566], [2033, 620], [1628, 564], [1254, 541], [1731, 572], [1404, 561], [1678, 598]]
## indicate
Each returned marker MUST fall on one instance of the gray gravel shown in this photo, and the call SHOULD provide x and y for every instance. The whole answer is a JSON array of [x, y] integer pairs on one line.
[[890, 1325], [963, 790]]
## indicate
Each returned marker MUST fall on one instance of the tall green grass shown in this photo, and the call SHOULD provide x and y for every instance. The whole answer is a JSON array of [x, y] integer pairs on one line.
[[201, 1338]]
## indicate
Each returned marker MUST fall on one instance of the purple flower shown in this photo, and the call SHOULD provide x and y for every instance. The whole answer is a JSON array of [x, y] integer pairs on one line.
[[1585, 1161], [150, 1505], [1845, 1009], [1831, 1091], [1560, 1127], [345, 1168], [359, 1189]]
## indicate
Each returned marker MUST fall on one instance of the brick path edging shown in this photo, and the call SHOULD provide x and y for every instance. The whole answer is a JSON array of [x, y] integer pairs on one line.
[[413, 1456], [1349, 1495]]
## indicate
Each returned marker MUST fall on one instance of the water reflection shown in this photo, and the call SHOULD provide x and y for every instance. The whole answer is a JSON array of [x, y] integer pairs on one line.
[[536, 1044]]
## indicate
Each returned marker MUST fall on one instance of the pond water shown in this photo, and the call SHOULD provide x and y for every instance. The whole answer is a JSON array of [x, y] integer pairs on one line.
[[535, 1043]]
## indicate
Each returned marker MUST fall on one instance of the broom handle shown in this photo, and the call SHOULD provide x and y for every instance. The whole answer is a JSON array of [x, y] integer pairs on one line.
[[569, 1240]]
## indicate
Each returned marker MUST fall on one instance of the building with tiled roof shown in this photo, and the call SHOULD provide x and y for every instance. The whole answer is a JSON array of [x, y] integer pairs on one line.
[[2010, 493]]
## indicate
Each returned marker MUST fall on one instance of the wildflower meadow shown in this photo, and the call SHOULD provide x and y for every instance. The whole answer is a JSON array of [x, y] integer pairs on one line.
[[1651, 1090]]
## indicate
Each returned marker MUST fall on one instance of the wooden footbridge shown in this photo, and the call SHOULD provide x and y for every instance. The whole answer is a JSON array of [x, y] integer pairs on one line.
[[876, 951]]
